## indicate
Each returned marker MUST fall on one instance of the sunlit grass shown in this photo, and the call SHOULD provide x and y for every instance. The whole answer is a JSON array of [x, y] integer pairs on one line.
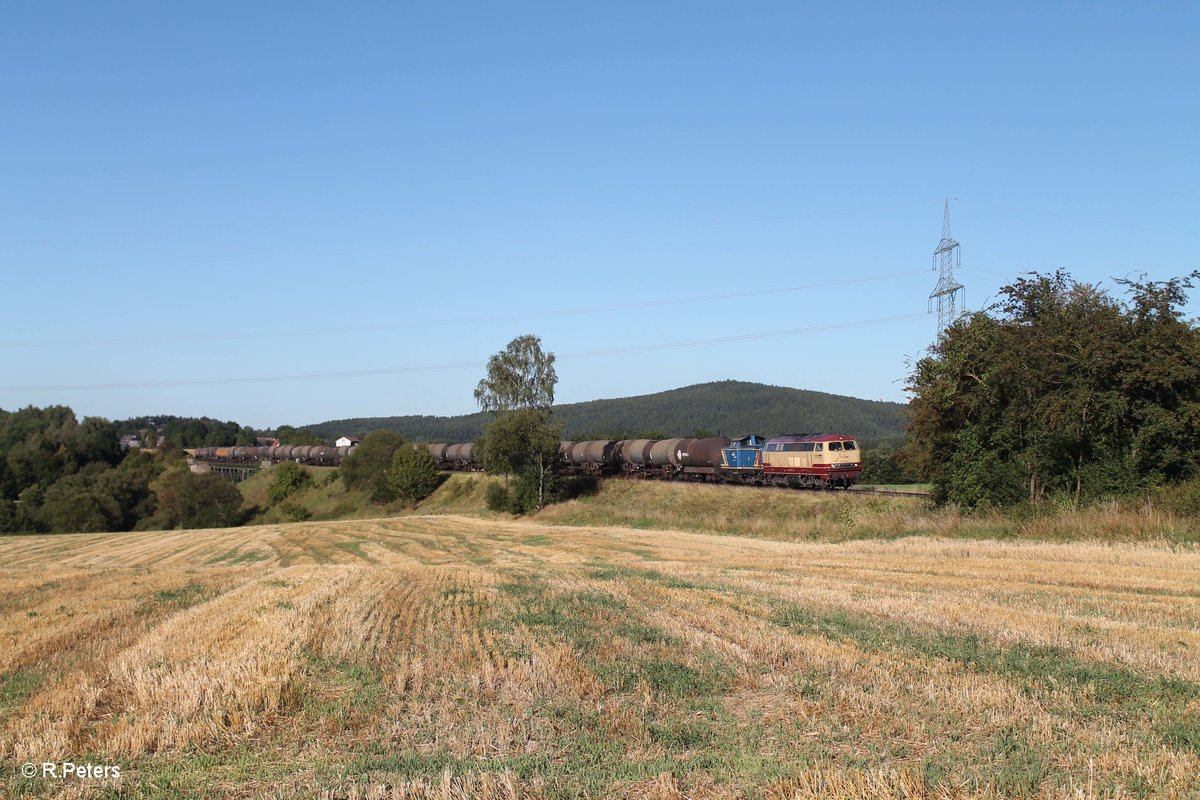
[[791, 515]]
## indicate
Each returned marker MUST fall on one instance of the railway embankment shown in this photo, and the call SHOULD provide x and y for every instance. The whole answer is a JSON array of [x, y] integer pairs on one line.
[[775, 514], [326, 497], [846, 516]]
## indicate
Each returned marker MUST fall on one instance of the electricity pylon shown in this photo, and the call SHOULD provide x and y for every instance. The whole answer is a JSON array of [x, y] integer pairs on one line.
[[950, 294]]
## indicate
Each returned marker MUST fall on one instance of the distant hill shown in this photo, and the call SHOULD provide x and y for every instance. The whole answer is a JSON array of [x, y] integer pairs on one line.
[[728, 408]]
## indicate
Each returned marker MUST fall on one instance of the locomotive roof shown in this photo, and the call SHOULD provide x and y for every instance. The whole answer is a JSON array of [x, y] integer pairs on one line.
[[812, 437]]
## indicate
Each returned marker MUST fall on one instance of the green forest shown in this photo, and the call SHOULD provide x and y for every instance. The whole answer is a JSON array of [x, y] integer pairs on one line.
[[724, 408], [59, 474]]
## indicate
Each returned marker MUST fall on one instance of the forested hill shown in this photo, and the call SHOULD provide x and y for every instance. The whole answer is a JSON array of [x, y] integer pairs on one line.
[[729, 408]]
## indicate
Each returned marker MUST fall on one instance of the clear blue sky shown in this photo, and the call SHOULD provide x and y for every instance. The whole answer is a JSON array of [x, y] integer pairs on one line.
[[173, 174]]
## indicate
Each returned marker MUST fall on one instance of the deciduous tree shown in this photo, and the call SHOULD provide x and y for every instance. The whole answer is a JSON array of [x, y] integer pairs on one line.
[[1061, 388], [519, 389], [368, 464], [524, 444], [520, 376], [413, 475]]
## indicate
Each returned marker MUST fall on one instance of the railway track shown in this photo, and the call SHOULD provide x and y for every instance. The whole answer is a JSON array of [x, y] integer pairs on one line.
[[889, 492], [758, 487]]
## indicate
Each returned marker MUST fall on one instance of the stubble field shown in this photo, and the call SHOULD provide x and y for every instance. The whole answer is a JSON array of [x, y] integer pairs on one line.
[[455, 657]]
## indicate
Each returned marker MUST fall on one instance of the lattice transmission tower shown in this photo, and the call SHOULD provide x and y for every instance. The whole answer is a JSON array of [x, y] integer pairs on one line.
[[951, 295]]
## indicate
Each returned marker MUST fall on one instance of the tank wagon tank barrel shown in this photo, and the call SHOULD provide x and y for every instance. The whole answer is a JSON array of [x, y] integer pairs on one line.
[[704, 452], [637, 451]]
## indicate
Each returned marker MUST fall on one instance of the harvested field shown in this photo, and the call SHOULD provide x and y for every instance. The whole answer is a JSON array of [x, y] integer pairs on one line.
[[445, 656]]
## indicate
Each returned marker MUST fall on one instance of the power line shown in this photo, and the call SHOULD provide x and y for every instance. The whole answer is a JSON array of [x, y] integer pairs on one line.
[[1080, 219], [384, 327], [994, 273], [748, 337], [618, 351], [803, 214]]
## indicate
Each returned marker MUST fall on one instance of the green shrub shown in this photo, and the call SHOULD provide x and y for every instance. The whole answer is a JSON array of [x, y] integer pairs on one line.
[[1181, 498], [196, 500], [524, 495], [413, 475], [881, 465], [294, 512], [979, 478], [496, 497], [367, 465], [286, 479]]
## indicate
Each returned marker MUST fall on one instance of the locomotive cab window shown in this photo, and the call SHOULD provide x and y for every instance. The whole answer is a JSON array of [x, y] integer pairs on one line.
[[820, 446], [835, 446], [849, 445]]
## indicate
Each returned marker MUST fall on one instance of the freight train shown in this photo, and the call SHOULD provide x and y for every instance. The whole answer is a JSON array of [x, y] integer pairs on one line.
[[801, 460]]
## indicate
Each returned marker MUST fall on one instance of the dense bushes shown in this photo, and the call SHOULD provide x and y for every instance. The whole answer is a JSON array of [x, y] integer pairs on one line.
[[496, 497], [286, 479], [61, 475], [367, 466], [389, 468], [413, 475], [196, 500], [1182, 499], [524, 445], [882, 465], [1060, 389]]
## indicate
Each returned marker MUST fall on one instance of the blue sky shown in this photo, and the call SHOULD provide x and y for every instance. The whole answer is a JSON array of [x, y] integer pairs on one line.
[[219, 191]]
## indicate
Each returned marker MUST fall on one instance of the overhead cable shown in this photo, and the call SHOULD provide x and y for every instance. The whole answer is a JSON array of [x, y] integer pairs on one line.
[[439, 323], [396, 370], [1079, 219]]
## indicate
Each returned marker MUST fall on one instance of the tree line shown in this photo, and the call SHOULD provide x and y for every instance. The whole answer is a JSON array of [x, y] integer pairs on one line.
[[62, 475], [1060, 389], [189, 432]]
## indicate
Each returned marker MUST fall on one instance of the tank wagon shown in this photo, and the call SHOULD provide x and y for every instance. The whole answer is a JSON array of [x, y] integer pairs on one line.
[[799, 460]]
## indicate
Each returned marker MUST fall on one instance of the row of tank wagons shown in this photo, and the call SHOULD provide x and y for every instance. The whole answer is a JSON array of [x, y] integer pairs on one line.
[[319, 455], [813, 460], [596, 455], [449, 456]]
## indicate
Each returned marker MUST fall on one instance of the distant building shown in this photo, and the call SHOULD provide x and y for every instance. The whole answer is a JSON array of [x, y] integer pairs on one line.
[[266, 441], [346, 441], [130, 441]]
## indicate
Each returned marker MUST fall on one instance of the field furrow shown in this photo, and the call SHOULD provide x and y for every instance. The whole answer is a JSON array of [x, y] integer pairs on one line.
[[461, 657]]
